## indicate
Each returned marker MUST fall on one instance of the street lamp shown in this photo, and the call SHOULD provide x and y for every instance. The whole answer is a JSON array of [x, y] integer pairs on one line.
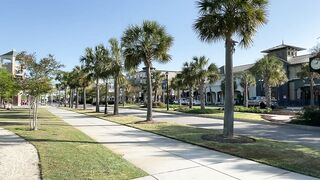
[[167, 77]]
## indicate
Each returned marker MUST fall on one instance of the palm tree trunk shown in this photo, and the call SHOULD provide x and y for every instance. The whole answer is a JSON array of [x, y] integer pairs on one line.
[[84, 98], [190, 97], [106, 99], [268, 94], [178, 94], [245, 95], [77, 98], [229, 91], [71, 98], [202, 98], [97, 96], [149, 94], [116, 96], [65, 97], [155, 96], [311, 91]]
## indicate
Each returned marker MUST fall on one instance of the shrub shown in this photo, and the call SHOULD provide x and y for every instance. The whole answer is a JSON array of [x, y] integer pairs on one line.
[[311, 114], [156, 105], [252, 109], [199, 111]]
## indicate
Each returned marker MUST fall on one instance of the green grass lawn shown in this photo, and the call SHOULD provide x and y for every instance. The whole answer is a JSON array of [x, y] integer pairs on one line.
[[65, 152], [288, 156]]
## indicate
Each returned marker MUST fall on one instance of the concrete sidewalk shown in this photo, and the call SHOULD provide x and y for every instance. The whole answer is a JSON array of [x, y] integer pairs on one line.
[[165, 158], [18, 158]]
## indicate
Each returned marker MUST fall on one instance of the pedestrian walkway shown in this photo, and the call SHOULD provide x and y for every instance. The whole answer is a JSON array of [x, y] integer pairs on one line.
[[18, 158], [165, 158]]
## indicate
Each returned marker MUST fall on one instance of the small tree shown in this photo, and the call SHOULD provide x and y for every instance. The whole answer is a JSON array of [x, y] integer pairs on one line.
[[271, 71], [158, 78], [247, 80], [187, 74], [177, 84], [38, 81], [204, 72]]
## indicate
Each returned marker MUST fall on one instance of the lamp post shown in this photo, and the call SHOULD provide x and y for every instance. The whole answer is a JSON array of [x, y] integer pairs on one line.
[[167, 77]]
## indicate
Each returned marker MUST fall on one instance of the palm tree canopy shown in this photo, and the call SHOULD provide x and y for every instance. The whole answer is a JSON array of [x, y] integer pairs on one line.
[[247, 79], [202, 72], [224, 18], [158, 78], [145, 43], [96, 61], [271, 70], [177, 82], [115, 57]]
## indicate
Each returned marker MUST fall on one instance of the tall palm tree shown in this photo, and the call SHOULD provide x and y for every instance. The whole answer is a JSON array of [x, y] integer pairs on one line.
[[247, 80], [116, 70], [221, 20], [146, 44], [204, 72], [94, 64], [158, 78], [187, 74], [270, 70], [305, 73], [84, 82]]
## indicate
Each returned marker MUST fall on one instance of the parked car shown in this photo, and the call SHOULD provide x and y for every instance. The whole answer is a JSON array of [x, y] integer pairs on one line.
[[196, 102], [262, 102]]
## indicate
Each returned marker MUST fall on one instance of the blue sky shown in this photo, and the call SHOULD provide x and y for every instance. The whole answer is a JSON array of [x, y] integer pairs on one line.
[[65, 28]]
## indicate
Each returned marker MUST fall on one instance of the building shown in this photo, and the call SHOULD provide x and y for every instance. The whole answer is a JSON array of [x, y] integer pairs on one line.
[[293, 93], [14, 66]]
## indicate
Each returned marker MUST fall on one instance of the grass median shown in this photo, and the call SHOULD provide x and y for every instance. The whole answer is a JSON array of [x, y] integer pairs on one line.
[[288, 156], [65, 152]]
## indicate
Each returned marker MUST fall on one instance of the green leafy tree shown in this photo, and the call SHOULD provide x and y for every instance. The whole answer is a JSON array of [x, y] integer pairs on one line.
[[38, 80], [247, 80], [271, 71], [146, 44], [8, 86], [222, 20], [204, 72]]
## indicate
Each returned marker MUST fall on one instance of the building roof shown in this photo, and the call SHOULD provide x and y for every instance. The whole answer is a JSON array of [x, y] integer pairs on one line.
[[241, 68], [300, 59], [9, 54], [282, 46]]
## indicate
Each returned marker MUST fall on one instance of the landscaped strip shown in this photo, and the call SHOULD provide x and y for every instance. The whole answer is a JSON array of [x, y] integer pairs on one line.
[[288, 156], [211, 113], [65, 152]]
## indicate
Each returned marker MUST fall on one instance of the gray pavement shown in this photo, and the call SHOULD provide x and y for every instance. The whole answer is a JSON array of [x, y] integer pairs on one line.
[[165, 158]]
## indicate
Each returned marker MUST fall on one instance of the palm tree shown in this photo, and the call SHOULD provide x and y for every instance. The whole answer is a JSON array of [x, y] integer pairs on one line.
[[116, 70], [63, 80], [247, 80], [146, 44], [158, 78], [94, 64], [189, 80], [84, 82], [202, 73], [177, 84], [271, 71], [221, 20], [305, 73]]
